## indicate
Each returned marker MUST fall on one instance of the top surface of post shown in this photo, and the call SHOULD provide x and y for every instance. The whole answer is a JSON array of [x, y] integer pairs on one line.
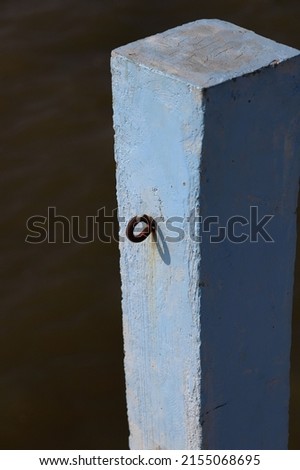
[[205, 53]]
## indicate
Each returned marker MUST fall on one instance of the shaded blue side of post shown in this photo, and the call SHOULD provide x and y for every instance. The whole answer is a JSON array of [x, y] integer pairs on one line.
[[250, 158]]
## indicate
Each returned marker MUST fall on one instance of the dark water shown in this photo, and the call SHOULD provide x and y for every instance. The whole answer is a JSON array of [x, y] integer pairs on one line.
[[61, 372]]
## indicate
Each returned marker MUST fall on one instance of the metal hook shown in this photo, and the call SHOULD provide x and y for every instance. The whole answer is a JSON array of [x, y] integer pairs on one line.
[[150, 227]]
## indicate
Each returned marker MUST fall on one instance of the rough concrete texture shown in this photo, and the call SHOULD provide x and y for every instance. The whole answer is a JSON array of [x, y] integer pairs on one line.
[[206, 118]]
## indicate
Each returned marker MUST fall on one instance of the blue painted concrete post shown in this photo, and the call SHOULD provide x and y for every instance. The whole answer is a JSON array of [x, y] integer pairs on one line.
[[206, 120]]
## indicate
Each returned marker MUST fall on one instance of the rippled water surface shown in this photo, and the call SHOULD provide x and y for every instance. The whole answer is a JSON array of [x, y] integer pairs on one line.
[[61, 372]]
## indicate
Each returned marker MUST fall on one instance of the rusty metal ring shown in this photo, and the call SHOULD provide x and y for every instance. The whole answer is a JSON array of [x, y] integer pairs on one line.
[[150, 227]]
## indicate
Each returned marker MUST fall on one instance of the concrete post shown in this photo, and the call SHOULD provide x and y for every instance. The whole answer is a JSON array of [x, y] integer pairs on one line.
[[207, 120]]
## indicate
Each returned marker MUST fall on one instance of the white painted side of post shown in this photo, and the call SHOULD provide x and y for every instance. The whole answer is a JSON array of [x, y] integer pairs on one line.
[[161, 303], [206, 120]]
